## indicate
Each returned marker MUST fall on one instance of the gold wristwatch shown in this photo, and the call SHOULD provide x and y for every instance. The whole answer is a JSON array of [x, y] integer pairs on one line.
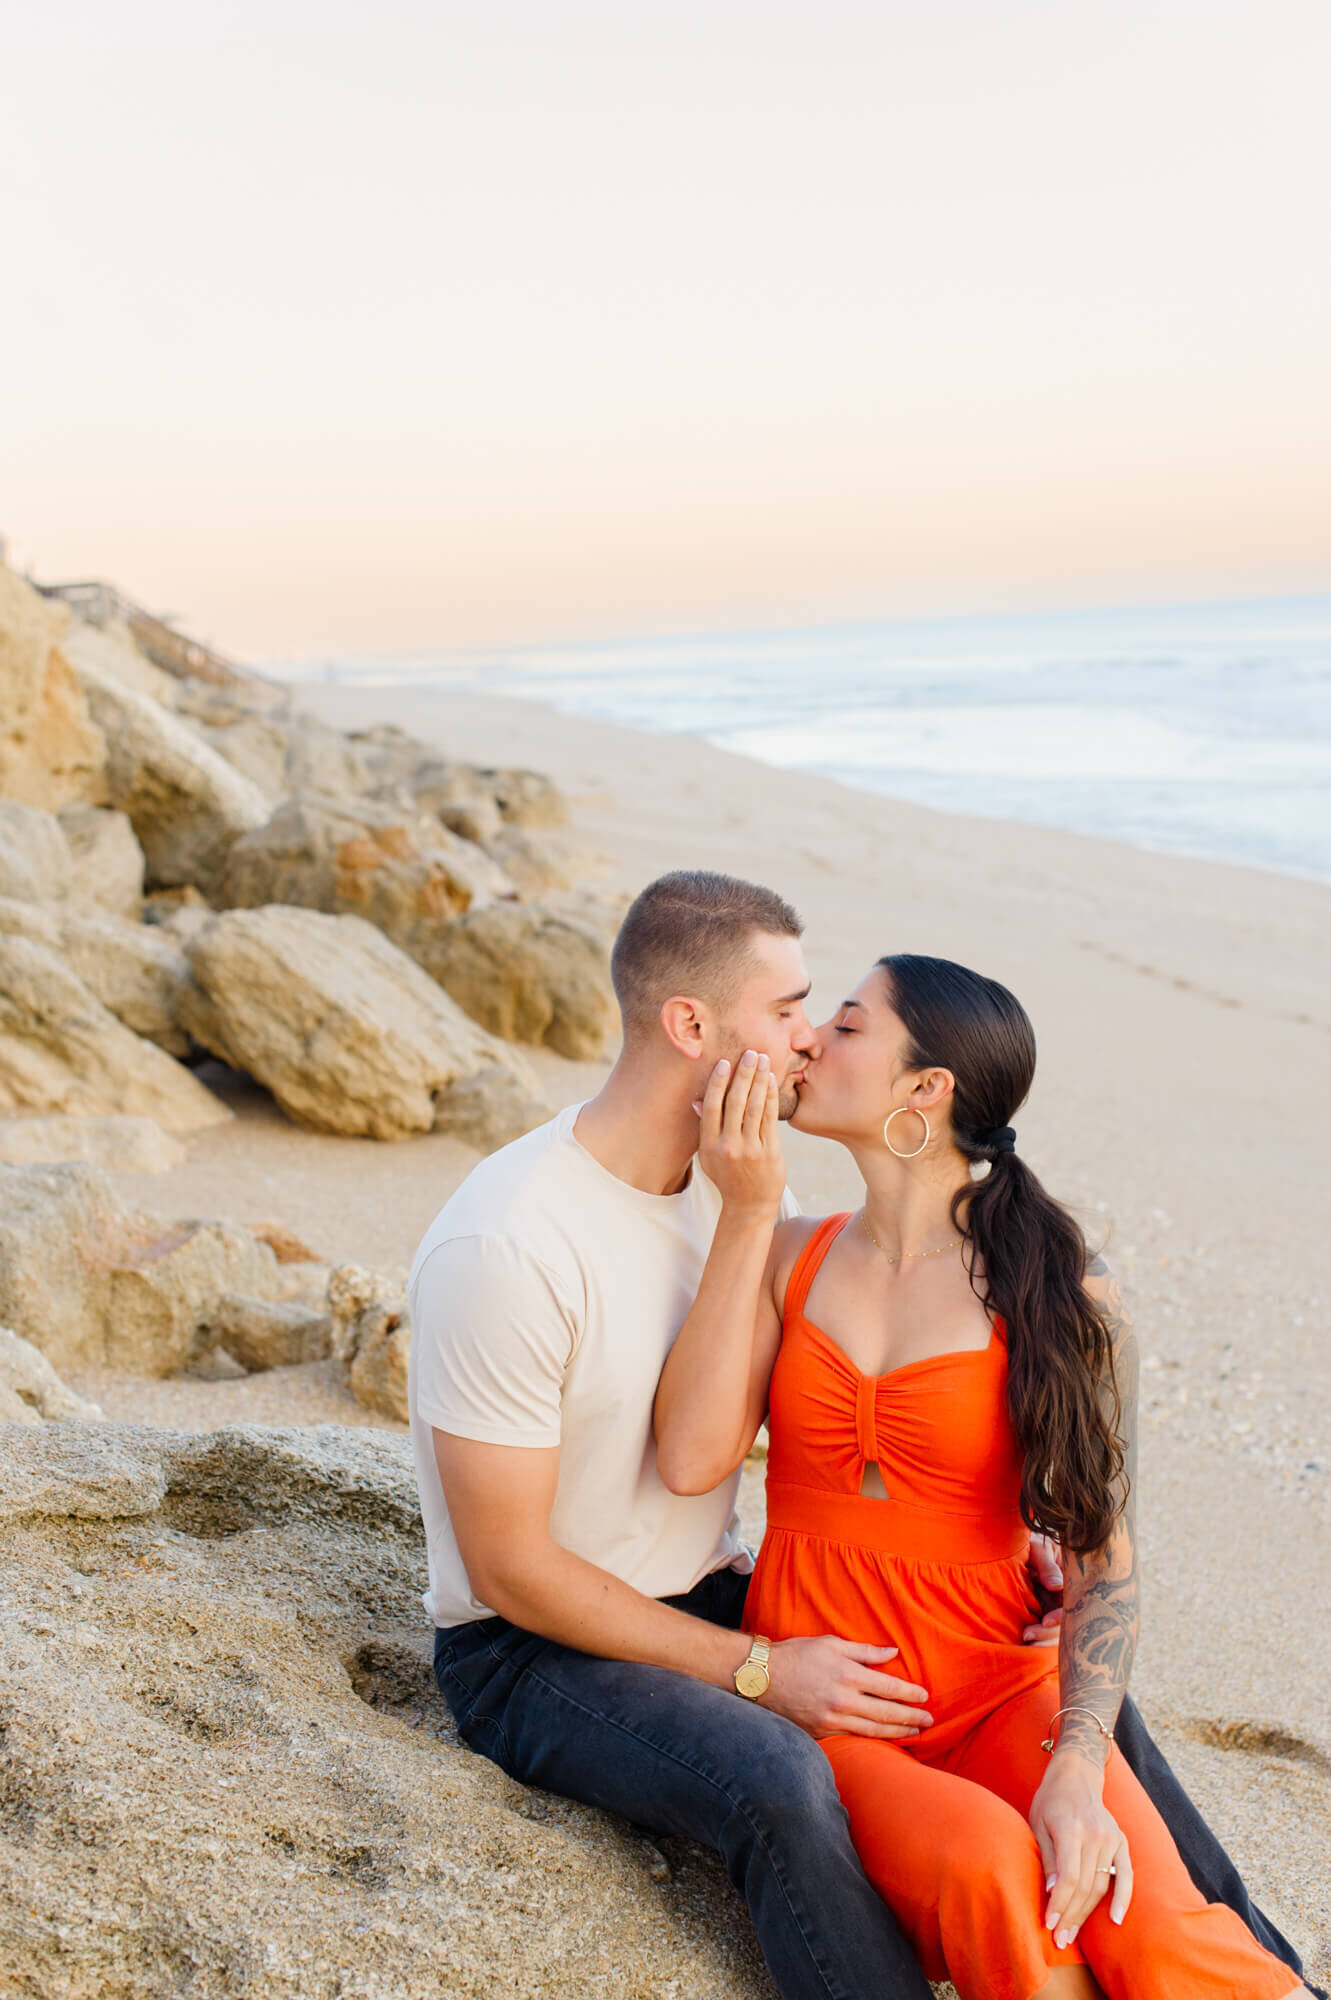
[[754, 1677]]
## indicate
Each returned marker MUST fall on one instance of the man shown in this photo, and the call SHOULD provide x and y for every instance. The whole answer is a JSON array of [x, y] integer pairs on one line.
[[587, 1619]]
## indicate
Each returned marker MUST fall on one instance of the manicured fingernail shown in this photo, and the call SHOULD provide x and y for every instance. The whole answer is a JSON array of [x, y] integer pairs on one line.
[[723, 1067], [1116, 1916], [764, 1062], [749, 1058], [1063, 1938], [1050, 1922], [697, 1105], [1050, 1881]]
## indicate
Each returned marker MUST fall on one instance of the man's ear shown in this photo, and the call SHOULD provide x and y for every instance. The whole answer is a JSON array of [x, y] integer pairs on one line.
[[683, 1025]]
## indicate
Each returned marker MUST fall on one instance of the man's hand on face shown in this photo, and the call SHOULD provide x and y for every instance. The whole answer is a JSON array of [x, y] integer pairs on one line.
[[836, 1687], [739, 1149]]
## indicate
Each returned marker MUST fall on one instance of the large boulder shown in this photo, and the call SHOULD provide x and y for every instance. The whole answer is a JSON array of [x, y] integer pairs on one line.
[[111, 649], [344, 1029], [188, 805], [128, 1145], [30, 1390], [35, 862], [51, 750], [92, 1284], [529, 974], [227, 1769], [270, 1333], [62, 1050], [107, 860], [397, 868], [135, 970], [257, 746]]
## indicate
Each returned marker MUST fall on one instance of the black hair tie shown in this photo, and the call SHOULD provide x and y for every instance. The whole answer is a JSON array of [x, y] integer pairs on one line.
[[1001, 1140]]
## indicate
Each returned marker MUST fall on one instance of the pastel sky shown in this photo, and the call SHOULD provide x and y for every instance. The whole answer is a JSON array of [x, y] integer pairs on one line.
[[343, 328]]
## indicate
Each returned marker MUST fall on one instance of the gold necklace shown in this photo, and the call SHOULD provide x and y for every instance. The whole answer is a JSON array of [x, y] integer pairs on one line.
[[906, 1255]]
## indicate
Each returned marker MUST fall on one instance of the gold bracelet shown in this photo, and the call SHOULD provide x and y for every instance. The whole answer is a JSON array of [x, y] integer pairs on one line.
[[1076, 1708]]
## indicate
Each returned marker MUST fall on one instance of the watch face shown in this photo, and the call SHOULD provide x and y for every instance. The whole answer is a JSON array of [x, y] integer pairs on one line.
[[752, 1680]]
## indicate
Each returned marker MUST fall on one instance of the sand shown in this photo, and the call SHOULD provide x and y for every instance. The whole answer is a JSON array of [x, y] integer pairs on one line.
[[1184, 1024]]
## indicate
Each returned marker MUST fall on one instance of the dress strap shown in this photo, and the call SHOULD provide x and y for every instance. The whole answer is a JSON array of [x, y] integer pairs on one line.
[[810, 1257]]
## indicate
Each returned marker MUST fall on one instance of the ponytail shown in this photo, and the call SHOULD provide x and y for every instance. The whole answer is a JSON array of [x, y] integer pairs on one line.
[[1027, 1256]]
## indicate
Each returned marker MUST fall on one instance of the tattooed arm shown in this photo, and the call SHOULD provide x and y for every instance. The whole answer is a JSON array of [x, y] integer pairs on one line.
[[1100, 1593], [1078, 1839]]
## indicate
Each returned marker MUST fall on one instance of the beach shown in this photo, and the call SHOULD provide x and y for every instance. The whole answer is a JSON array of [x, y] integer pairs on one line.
[[1182, 1016]]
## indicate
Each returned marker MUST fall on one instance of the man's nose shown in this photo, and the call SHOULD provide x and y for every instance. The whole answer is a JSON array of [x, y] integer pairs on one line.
[[807, 1040]]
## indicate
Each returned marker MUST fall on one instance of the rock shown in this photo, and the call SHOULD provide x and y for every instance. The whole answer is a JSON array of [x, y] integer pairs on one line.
[[128, 1145], [51, 751], [228, 1770], [188, 805], [371, 1336], [107, 860], [399, 869], [302, 1285], [28, 1380], [257, 746], [529, 798], [320, 759], [92, 1284], [134, 971], [529, 974], [35, 862], [348, 1034], [460, 796], [110, 649], [260, 1333], [62, 1050], [393, 757], [285, 1245]]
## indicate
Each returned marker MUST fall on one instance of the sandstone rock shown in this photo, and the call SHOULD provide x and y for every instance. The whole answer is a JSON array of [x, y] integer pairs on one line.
[[51, 751], [260, 1333], [136, 972], [62, 1050], [94, 1285], [187, 804], [35, 861], [459, 795], [320, 759], [393, 757], [257, 746], [302, 1285], [400, 870], [285, 1245], [228, 1770], [371, 1335], [107, 860], [529, 798], [348, 1034], [129, 1145], [30, 1389], [529, 974], [110, 649]]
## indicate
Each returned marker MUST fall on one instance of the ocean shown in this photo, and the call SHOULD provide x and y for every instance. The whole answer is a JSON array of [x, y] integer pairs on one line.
[[1192, 729]]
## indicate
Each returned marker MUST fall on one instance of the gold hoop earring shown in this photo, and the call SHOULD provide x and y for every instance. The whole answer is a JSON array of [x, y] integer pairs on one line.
[[924, 1141]]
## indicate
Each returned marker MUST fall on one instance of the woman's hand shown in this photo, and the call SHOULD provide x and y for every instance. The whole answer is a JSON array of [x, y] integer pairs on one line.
[[1079, 1842], [740, 1147]]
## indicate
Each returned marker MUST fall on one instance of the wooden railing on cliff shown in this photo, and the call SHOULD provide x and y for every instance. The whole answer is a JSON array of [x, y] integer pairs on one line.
[[187, 659]]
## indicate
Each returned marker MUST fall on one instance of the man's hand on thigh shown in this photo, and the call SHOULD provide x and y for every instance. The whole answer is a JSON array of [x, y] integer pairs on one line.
[[837, 1687]]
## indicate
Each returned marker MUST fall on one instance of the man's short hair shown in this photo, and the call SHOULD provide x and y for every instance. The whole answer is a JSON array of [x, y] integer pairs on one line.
[[691, 932]]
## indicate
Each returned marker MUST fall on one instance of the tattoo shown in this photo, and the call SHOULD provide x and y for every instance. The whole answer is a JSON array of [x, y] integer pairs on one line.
[[1102, 1597]]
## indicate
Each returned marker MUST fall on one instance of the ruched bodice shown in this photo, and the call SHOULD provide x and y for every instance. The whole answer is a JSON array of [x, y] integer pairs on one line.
[[938, 1568]]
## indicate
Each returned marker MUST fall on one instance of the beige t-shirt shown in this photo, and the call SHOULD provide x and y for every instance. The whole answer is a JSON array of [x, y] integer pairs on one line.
[[544, 1299]]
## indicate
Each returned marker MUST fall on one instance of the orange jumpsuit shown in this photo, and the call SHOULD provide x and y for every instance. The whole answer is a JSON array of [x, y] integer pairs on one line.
[[939, 1570]]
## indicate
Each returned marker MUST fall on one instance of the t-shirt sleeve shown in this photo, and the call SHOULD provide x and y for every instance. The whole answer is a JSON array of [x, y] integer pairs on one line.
[[492, 1339]]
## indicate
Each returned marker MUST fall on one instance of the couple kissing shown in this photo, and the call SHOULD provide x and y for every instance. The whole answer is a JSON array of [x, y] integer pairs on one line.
[[912, 1767]]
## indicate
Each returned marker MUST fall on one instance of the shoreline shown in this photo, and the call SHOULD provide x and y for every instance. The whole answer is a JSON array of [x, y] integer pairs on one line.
[[1184, 1024]]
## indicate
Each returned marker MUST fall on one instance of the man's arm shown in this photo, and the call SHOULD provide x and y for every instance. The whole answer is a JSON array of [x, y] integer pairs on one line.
[[499, 1500]]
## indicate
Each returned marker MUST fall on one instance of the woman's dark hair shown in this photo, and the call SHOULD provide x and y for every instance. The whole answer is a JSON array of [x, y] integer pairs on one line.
[[1027, 1255]]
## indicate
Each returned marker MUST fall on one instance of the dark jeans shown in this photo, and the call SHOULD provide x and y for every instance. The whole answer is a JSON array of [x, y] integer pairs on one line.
[[676, 1756]]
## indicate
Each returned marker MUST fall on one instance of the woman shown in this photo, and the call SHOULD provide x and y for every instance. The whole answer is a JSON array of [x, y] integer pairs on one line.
[[945, 1373]]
